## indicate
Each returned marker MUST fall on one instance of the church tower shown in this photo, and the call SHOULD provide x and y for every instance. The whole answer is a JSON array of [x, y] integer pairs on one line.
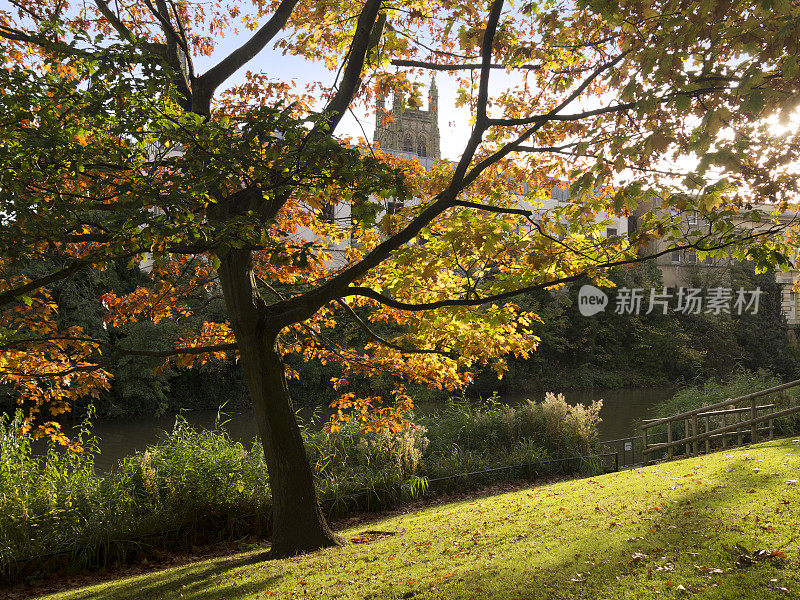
[[409, 130]]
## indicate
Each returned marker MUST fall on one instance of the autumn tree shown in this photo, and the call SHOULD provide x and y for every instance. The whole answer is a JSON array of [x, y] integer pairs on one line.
[[115, 147]]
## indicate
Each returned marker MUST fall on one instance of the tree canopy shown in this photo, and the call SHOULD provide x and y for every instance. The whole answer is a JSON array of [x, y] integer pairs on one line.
[[113, 147]]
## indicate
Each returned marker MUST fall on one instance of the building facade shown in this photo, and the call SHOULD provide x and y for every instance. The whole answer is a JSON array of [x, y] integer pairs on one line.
[[680, 268], [409, 131]]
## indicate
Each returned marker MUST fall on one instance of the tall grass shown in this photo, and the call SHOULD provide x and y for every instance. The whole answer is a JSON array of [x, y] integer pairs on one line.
[[198, 485]]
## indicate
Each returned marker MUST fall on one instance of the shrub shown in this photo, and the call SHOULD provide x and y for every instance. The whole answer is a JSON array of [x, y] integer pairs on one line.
[[198, 485]]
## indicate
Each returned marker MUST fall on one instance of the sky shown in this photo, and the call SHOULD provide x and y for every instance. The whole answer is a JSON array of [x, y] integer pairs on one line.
[[454, 126]]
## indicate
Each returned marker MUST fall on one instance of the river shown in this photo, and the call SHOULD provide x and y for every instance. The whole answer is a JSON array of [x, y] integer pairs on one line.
[[119, 438]]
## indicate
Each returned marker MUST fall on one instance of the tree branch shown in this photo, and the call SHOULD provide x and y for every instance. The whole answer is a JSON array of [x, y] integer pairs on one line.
[[175, 351], [209, 81], [12, 294], [551, 116], [410, 306], [433, 66], [114, 20], [481, 119], [511, 147], [369, 29], [368, 330], [305, 305]]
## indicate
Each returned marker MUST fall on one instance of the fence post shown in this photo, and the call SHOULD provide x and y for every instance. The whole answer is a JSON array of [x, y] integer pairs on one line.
[[645, 456], [669, 439], [738, 416], [753, 426], [724, 434], [686, 432], [708, 439], [695, 429], [771, 430]]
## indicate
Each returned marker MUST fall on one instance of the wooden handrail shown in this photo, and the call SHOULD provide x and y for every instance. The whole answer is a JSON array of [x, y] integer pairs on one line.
[[719, 412], [722, 404], [732, 427], [733, 410]]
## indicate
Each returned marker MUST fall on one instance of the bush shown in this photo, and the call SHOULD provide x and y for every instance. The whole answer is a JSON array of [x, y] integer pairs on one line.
[[557, 428], [200, 486]]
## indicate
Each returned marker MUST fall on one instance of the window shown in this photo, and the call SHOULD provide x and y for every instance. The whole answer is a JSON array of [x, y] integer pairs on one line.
[[421, 148], [408, 144], [327, 213], [792, 305], [393, 206], [611, 231], [691, 257], [676, 257], [559, 195], [691, 219]]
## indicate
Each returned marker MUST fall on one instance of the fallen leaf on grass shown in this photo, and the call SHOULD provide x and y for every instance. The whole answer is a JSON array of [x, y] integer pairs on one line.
[[705, 569], [745, 558]]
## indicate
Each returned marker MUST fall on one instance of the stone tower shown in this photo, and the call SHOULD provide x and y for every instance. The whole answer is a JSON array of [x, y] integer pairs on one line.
[[409, 130]]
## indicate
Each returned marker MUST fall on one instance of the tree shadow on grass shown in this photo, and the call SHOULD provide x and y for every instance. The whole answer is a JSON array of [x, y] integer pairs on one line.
[[685, 537], [215, 579], [682, 528]]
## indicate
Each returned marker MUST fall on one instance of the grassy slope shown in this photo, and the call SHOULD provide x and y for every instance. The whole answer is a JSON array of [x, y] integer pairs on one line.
[[577, 539]]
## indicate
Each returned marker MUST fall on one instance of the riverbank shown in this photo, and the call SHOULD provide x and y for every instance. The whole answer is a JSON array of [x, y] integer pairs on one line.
[[722, 526], [197, 486], [620, 415]]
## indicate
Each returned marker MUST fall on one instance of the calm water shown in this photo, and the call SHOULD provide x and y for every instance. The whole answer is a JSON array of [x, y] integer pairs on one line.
[[119, 438]]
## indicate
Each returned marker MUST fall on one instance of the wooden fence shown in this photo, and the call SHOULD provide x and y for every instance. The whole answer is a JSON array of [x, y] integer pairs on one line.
[[731, 425]]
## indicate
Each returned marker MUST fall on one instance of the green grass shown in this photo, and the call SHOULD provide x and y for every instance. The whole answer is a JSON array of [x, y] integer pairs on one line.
[[666, 531]]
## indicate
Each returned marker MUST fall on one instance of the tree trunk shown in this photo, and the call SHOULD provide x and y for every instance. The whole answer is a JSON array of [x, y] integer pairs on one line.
[[298, 524]]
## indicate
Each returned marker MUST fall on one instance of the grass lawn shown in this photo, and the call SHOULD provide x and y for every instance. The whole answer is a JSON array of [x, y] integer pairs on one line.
[[690, 528]]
